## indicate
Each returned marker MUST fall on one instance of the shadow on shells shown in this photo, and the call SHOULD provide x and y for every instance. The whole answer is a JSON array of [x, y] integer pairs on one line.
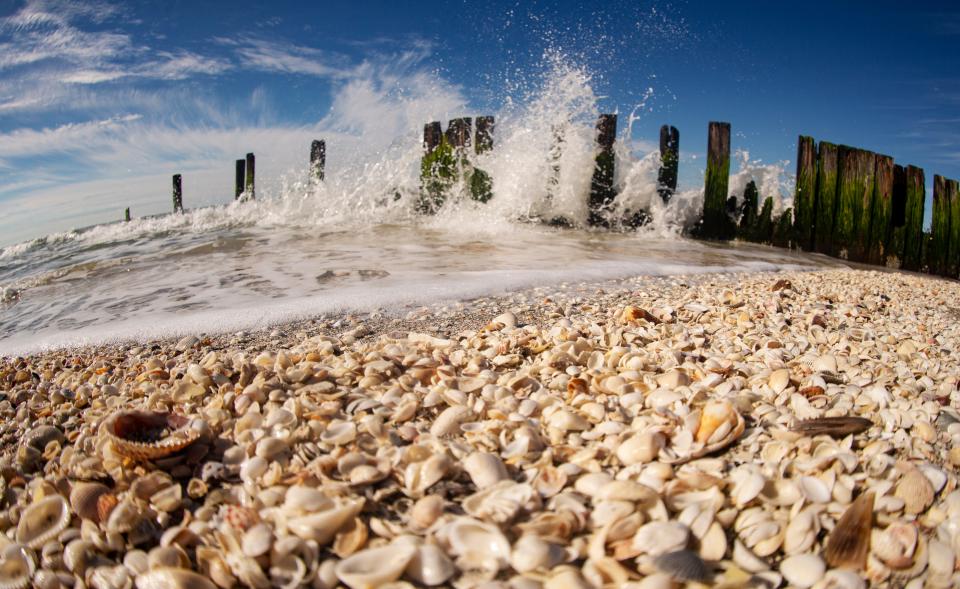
[[149, 435]]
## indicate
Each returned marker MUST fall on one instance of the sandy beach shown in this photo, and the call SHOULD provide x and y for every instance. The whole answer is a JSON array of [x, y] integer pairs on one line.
[[740, 430]]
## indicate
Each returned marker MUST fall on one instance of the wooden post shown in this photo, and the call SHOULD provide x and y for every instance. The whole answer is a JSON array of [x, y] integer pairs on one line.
[[913, 218], [953, 257], [177, 194], [239, 178], [851, 228], [481, 186], [805, 197], [826, 197], [881, 212], [432, 135], [318, 159], [748, 212], [460, 133], [251, 177], [715, 223], [939, 227], [126, 215], [601, 186], [783, 226], [898, 217], [669, 162], [437, 168], [764, 228]]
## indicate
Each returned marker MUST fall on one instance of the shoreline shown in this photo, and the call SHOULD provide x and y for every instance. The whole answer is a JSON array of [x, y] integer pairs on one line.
[[662, 412]]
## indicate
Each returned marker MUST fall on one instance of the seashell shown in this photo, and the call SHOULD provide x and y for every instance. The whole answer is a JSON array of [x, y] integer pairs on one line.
[[895, 545], [168, 556], [430, 566], [16, 567], [303, 499], [550, 480], [656, 538], [374, 567], [779, 380], [640, 448], [683, 566], [426, 511], [173, 578], [149, 435], [485, 469], [814, 489], [322, 526], [836, 427], [499, 503], [449, 420], [257, 540], [673, 379], [339, 433], [351, 538], [531, 553], [626, 491], [803, 570], [915, 490], [724, 425], [565, 420], [825, 363], [849, 543], [420, 476], [85, 500], [477, 546], [43, 521], [566, 578], [801, 532]]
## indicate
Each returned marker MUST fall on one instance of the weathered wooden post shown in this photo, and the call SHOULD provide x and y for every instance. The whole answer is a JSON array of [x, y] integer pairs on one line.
[[851, 228], [783, 229], [715, 223], [251, 177], [177, 194], [601, 186], [916, 195], [939, 227], [481, 186], [748, 212], [898, 217], [764, 228], [669, 162], [460, 133], [953, 257], [318, 159], [826, 197], [881, 212], [805, 196], [239, 178], [436, 168], [126, 215]]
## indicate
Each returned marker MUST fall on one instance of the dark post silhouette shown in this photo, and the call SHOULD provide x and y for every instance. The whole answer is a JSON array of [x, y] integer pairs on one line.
[[177, 194], [601, 187], [669, 161], [716, 223], [239, 178], [251, 177], [318, 158], [805, 197]]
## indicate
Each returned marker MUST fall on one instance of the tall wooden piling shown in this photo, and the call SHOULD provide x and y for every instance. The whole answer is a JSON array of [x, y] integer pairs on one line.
[[251, 176], [826, 197], [940, 227], [783, 229], [460, 133], [953, 255], [916, 196], [318, 159], [601, 186], [716, 224], [126, 215], [805, 196], [483, 141], [669, 162], [481, 185], [855, 168], [239, 178], [898, 217], [437, 168], [748, 212], [881, 211], [177, 194], [432, 136]]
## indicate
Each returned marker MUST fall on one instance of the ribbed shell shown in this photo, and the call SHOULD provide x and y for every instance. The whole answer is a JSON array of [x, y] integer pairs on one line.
[[140, 434], [42, 521], [173, 578], [84, 499], [17, 568]]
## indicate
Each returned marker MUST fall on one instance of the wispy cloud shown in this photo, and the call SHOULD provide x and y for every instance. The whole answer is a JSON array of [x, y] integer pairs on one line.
[[288, 58]]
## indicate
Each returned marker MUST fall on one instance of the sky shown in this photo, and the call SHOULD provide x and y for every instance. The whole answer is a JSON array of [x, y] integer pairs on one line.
[[100, 101]]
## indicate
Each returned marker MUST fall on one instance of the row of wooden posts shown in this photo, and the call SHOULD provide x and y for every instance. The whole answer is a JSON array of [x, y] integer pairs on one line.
[[849, 203]]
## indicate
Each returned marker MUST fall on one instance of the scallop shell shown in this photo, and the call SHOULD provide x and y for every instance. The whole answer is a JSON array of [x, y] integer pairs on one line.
[[849, 542], [85, 499], [915, 490], [42, 521], [16, 568], [148, 435], [173, 578], [837, 427]]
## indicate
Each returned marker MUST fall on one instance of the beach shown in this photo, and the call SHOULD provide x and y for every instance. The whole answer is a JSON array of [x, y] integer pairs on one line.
[[758, 429]]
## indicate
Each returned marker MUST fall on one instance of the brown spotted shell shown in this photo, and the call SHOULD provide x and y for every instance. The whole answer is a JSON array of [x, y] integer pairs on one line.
[[149, 435], [85, 498]]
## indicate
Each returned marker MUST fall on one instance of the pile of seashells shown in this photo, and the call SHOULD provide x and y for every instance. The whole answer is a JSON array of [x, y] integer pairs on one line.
[[732, 434]]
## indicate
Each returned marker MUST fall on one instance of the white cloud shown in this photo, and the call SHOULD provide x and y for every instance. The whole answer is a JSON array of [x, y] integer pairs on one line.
[[288, 58]]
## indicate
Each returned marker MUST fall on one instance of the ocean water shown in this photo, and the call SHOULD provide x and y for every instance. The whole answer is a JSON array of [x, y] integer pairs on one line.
[[355, 241]]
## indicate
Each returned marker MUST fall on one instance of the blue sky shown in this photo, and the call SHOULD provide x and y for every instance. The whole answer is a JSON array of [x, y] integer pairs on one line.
[[101, 101]]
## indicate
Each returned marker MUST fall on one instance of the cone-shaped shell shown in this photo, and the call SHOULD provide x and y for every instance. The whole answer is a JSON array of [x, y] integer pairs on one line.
[[173, 578], [148, 435], [42, 521], [849, 543]]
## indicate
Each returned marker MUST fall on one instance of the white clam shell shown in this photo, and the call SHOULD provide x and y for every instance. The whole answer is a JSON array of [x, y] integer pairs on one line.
[[477, 545], [375, 567], [532, 553], [656, 538], [322, 526], [803, 570], [485, 469], [430, 566], [173, 578]]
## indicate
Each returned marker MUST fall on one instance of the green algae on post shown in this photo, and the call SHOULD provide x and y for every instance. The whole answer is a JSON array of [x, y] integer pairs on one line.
[[601, 185], [481, 185], [763, 232], [939, 227], [913, 239], [716, 224], [826, 197], [436, 168], [126, 214], [805, 197], [783, 229], [669, 162], [881, 211], [953, 255], [854, 194]]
